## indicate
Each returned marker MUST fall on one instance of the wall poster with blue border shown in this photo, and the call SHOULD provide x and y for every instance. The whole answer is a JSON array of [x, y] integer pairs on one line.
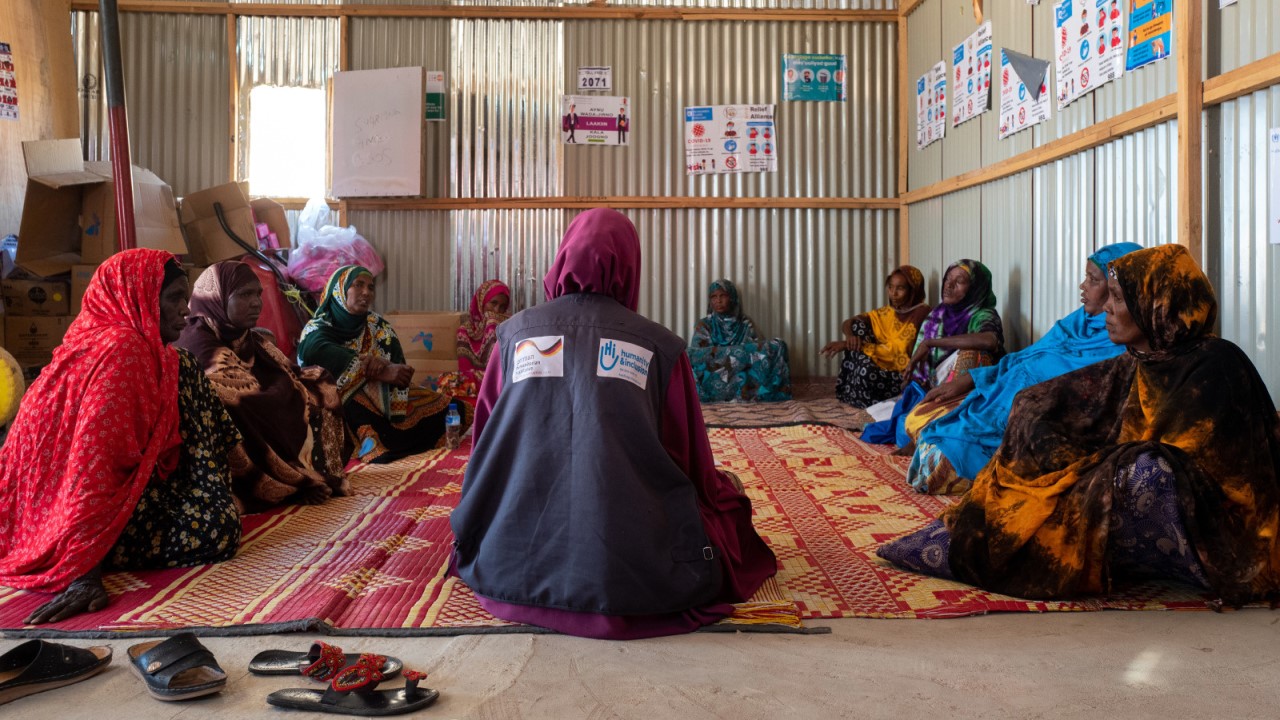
[[1150, 32]]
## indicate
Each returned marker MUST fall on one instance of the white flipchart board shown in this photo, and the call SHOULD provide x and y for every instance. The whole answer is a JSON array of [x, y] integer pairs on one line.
[[377, 132]]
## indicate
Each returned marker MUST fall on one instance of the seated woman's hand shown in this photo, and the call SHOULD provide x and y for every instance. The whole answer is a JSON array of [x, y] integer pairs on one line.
[[375, 367], [916, 358], [314, 494], [948, 391], [398, 375], [833, 348], [85, 594]]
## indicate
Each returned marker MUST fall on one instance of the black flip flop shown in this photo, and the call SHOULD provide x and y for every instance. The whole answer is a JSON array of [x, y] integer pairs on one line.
[[39, 665], [179, 668], [352, 692], [322, 662]]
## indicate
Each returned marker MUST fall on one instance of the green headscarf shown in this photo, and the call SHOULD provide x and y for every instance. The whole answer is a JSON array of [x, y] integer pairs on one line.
[[330, 339]]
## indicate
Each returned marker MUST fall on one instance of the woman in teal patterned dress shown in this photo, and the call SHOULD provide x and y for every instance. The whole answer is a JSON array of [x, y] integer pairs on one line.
[[731, 362]]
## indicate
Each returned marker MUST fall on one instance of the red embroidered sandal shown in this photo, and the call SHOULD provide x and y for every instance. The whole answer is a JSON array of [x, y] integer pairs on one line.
[[322, 662], [353, 692]]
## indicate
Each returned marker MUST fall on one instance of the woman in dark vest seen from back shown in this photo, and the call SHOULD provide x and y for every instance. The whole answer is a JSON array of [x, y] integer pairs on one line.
[[591, 504]]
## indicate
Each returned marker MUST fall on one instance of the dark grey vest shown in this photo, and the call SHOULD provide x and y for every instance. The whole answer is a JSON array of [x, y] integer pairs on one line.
[[570, 500]]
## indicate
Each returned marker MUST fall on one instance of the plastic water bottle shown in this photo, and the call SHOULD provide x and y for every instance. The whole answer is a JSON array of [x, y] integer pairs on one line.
[[452, 427]]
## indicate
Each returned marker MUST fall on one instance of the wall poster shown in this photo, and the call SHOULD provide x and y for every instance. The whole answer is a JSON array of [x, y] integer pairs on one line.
[[1022, 106], [730, 139], [1090, 42], [1150, 32], [595, 120], [931, 106], [972, 75]]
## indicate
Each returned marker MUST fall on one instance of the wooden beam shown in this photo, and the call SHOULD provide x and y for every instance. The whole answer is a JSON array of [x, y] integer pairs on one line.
[[619, 202], [1139, 118], [1187, 29], [344, 43], [580, 12], [1243, 81], [903, 138], [233, 98], [909, 6]]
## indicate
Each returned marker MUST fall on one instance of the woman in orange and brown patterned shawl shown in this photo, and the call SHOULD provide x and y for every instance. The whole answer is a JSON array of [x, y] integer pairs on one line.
[[1182, 419], [291, 418]]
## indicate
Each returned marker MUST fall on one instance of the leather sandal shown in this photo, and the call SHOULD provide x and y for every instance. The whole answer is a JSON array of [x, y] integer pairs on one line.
[[39, 665], [353, 692], [179, 668], [322, 662]]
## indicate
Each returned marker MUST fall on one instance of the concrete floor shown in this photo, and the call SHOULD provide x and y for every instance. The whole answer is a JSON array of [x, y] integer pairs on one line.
[[1055, 665]]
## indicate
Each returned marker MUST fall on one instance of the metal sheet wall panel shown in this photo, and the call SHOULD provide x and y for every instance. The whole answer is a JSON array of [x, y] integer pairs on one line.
[[962, 229], [1249, 307], [514, 246], [823, 149], [417, 247], [285, 52], [962, 147], [505, 99], [926, 244], [378, 43], [1007, 250], [924, 50], [1241, 34], [1062, 236], [176, 69], [1137, 188], [728, 4]]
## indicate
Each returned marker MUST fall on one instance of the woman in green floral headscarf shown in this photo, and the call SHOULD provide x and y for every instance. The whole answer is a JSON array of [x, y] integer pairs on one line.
[[388, 416], [731, 362]]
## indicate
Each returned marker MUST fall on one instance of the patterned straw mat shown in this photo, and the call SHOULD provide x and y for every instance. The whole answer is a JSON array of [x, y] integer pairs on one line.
[[374, 563]]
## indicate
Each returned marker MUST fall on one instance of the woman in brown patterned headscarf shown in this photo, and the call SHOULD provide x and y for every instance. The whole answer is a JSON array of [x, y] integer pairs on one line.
[[1164, 460], [291, 418], [877, 345]]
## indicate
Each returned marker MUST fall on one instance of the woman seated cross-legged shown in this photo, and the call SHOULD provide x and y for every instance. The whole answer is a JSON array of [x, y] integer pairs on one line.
[[121, 456], [951, 450], [387, 414], [1162, 462], [475, 338], [877, 345], [592, 504], [291, 419], [731, 362]]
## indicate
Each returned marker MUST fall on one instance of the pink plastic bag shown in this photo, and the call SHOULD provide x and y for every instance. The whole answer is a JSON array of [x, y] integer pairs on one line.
[[323, 248]]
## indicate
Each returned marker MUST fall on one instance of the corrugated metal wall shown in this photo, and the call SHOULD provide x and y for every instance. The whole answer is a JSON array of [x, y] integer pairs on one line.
[[176, 81], [1037, 227]]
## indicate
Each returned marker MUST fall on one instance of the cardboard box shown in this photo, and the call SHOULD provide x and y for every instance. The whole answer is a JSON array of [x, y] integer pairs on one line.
[[68, 216], [80, 277], [428, 335], [194, 272], [36, 297], [31, 340], [427, 372], [208, 242]]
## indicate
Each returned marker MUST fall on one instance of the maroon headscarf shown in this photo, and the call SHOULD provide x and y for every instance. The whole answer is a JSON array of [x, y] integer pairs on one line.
[[600, 254], [209, 299]]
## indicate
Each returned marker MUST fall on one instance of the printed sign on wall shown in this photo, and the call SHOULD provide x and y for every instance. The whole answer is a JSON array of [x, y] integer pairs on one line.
[[931, 106], [971, 71], [1150, 33], [730, 139], [813, 77], [1090, 42], [435, 95], [8, 85], [1021, 106], [595, 120]]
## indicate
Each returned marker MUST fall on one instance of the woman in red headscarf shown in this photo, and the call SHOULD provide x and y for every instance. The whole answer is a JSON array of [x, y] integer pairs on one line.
[[591, 504], [121, 454], [475, 338]]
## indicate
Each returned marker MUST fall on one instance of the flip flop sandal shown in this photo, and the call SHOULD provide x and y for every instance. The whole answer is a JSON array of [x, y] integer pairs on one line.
[[39, 665], [322, 662], [352, 692], [179, 668]]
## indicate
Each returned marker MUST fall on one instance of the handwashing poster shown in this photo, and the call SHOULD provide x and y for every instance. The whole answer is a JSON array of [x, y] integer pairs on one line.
[[730, 139], [8, 85], [972, 75], [931, 106], [813, 77], [1150, 32], [1089, 36], [1020, 107]]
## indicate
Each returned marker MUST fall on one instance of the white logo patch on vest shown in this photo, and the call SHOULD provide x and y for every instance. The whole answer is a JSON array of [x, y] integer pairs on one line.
[[538, 357], [624, 361]]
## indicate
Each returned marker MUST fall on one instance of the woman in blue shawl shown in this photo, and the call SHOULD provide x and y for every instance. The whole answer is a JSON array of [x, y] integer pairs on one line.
[[953, 448], [731, 362], [388, 416]]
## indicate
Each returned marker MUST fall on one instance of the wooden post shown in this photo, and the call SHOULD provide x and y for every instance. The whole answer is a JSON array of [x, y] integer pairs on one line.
[[1187, 29], [233, 88], [903, 140]]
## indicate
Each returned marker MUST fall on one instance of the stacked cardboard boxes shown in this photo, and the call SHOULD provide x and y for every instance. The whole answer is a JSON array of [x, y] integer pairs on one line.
[[429, 343]]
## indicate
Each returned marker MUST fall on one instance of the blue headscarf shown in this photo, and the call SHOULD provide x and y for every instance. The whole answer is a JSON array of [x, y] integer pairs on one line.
[[969, 435], [728, 328]]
